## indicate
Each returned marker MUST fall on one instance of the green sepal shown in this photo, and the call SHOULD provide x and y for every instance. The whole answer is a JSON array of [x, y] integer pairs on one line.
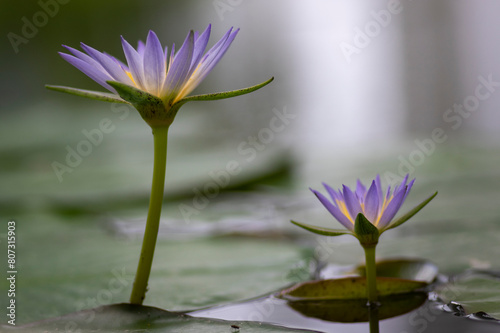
[[97, 95], [412, 212], [151, 108], [365, 231], [225, 94], [321, 230]]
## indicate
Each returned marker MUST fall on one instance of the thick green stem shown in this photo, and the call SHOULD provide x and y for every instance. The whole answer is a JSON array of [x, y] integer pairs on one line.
[[371, 274], [153, 221]]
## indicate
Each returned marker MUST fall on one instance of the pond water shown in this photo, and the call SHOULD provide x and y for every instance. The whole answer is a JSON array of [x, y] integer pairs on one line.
[[77, 235], [430, 317]]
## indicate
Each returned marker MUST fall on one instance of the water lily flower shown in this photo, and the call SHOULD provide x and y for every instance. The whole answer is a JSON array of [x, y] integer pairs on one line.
[[373, 204], [157, 83], [366, 214]]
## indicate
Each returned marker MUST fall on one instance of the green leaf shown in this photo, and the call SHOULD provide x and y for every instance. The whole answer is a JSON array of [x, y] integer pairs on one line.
[[151, 108], [321, 230], [187, 274], [225, 94], [475, 290], [132, 94], [348, 288], [411, 269], [136, 318], [412, 212], [97, 95], [365, 231], [355, 311]]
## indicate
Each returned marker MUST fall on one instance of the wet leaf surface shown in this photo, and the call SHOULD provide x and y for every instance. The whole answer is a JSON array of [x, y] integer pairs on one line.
[[348, 288], [473, 292], [135, 318]]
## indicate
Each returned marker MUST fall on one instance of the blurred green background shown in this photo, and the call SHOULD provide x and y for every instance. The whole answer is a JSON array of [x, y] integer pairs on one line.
[[350, 116]]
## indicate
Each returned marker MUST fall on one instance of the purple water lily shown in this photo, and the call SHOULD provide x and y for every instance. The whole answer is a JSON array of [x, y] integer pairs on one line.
[[150, 68], [157, 84], [366, 214], [377, 207]]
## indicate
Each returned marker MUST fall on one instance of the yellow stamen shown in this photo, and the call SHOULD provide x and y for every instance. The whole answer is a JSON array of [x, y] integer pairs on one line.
[[343, 210], [131, 78], [188, 86], [382, 209]]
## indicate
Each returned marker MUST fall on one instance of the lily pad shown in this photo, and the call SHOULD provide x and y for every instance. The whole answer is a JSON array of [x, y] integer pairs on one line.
[[394, 276], [348, 288], [128, 318], [411, 269], [352, 311], [475, 291], [97, 268]]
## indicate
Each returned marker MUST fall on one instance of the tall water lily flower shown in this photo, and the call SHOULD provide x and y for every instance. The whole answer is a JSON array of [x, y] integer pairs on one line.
[[366, 214], [157, 83]]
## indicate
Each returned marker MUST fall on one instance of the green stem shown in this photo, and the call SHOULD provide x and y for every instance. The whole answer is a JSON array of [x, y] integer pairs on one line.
[[373, 319], [371, 274], [153, 221]]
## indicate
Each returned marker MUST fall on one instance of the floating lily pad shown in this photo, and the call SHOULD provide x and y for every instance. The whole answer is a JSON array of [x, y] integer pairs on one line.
[[348, 288], [394, 276], [411, 269], [96, 268], [351, 311], [475, 291], [135, 318]]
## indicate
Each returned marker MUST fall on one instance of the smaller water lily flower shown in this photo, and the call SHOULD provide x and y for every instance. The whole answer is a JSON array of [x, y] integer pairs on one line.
[[366, 214], [372, 205], [156, 82]]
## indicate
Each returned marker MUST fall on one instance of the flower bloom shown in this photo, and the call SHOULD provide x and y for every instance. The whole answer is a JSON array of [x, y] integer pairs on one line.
[[150, 68], [377, 207]]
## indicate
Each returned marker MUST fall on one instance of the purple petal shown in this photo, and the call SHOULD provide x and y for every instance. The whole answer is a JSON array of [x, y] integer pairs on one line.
[[410, 185], [154, 64], [380, 192], [333, 194], [352, 204], [403, 183], [172, 56], [199, 47], [85, 57], [141, 47], [119, 62], [110, 66], [211, 59], [178, 71], [96, 74], [135, 64], [360, 191], [392, 208], [372, 203], [344, 220], [388, 194]]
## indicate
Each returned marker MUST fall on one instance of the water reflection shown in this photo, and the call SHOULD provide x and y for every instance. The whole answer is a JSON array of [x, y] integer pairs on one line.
[[428, 318]]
